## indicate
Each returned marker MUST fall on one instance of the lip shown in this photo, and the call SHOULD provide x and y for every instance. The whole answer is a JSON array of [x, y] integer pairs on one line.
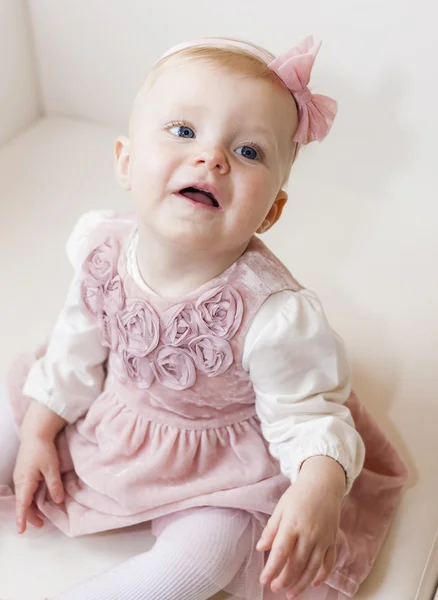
[[202, 186]]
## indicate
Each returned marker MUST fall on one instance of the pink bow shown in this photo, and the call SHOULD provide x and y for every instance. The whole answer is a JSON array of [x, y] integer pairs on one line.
[[316, 113]]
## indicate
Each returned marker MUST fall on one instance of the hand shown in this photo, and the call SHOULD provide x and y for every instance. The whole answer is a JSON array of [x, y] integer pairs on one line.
[[301, 534], [37, 461]]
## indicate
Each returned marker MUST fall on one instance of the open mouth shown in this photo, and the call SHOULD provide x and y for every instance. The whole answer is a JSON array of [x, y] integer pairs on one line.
[[200, 196]]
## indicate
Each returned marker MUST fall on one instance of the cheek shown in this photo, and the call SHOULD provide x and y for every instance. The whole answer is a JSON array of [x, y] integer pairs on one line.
[[256, 195], [152, 167], [255, 189]]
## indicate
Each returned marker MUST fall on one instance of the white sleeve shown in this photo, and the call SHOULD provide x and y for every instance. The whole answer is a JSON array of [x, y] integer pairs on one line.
[[301, 378], [69, 377]]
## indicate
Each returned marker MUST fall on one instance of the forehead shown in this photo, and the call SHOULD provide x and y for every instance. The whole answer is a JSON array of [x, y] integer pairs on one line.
[[210, 88]]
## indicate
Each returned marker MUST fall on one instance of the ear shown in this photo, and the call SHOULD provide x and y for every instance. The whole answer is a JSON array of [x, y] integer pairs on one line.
[[274, 213], [122, 157]]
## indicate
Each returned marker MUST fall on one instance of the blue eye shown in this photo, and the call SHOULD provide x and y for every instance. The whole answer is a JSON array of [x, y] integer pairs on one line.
[[248, 152], [182, 131]]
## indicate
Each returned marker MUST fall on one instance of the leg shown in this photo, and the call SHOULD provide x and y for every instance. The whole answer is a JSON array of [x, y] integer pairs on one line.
[[197, 553], [9, 441]]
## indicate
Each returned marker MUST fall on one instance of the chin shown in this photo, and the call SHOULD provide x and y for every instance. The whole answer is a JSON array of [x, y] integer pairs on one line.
[[191, 239]]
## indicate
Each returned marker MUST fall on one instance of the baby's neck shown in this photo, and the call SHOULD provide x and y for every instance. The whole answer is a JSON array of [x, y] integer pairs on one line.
[[173, 271]]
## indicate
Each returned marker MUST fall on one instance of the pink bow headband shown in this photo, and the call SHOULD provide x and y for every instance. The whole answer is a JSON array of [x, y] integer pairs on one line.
[[316, 113]]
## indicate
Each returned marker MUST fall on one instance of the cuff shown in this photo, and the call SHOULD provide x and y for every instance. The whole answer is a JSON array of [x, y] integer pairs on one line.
[[37, 390], [291, 464]]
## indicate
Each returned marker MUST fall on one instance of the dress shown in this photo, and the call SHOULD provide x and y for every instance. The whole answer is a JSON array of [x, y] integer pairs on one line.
[[175, 425]]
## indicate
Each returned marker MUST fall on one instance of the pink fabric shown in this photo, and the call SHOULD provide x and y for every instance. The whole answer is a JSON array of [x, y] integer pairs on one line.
[[175, 426], [322, 592], [316, 112], [194, 337]]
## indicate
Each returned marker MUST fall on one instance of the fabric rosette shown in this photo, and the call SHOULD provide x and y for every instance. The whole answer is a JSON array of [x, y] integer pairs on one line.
[[101, 264], [139, 327], [219, 311], [174, 368], [135, 369], [211, 355], [179, 325], [102, 288]]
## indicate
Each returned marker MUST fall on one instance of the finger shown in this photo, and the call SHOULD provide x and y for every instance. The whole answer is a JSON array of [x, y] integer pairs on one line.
[[33, 517], [269, 531], [53, 480], [327, 566], [281, 550], [307, 576], [285, 578], [24, 497], [299, 560]]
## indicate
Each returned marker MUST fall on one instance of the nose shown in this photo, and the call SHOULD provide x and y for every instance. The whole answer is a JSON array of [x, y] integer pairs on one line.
[[214, 159]]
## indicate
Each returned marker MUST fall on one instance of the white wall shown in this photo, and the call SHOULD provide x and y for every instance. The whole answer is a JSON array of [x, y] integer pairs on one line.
[[19, 101]]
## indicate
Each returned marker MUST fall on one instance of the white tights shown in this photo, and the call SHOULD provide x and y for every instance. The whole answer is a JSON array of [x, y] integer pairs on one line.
[[198, 552], [193, 558]]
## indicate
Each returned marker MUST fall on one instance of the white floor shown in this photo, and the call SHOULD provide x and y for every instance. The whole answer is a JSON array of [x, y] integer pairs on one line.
[[48, 177]]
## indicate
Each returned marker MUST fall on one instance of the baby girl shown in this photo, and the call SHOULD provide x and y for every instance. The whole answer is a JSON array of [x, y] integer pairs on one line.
[[189, 380]]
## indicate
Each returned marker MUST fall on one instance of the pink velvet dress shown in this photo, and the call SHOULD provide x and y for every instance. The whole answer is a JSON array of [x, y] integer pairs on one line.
[[175, 425]]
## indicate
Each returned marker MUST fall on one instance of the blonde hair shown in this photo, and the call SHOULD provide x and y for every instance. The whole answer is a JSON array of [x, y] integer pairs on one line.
[[236, 60]]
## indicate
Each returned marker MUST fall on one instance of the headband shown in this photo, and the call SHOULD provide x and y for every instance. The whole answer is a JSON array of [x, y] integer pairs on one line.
[[316, 112]]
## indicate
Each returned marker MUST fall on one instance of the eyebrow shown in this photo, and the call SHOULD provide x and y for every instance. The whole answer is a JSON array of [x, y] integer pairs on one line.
[[188, 107], [265, 131]]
